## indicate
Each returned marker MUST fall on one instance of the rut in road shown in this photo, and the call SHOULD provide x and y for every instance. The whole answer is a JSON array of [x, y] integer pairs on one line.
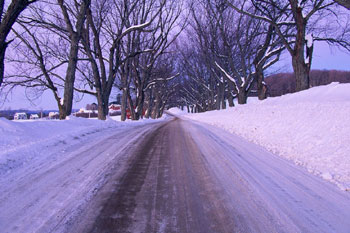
[[167, 188]]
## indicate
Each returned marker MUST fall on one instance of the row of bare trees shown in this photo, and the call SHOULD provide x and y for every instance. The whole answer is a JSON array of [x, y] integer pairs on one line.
[[82, 47], [90, 47], [234, 43]]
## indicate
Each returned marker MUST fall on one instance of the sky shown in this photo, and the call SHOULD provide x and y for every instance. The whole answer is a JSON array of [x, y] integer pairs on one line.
[[324, 58]]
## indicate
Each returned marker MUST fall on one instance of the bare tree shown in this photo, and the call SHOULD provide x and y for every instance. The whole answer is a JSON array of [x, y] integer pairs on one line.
[[40, 56], [156, 43], [162, 86], [205, 88], [7, 20], [109, 42], [64, 21], [74, 34], [304, 17]]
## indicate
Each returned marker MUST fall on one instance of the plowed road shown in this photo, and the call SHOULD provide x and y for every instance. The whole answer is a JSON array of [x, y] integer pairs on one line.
[[172, 176]]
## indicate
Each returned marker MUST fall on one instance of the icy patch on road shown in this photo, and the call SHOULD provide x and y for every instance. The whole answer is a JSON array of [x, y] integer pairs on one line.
[[311, 128]]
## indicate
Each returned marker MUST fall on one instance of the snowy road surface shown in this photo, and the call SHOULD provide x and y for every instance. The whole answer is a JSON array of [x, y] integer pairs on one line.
[[170, 176]]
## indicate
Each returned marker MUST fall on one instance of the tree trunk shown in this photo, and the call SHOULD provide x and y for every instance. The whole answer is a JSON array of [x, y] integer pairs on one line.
[[242, 97], [131, 107], [3, 47], [301, 73], [103, 108], [300, 69], [74, 37], [229, 94], [161, 110], [70, 76], [123, 105], [155, 108], [150, 103], [140, 101], [62, 112], [262, 88], [223, 103], [222, 96], [100, 111], [217, 101], [230, 100]]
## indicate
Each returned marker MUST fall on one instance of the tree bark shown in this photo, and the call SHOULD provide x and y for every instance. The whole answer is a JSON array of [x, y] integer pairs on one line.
[[223, 103], [262, 87], [131, 107], [230, 100], [300, 68], [155, 107], [301, 74], [140, 101], [242, 97], [124, 105]]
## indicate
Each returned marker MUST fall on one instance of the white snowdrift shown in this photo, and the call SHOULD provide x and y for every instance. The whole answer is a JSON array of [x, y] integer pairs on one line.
[[177, 111], [311, 128], [23, 141]]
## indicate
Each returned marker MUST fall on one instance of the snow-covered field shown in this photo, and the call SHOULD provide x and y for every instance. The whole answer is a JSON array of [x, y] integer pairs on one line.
[[311, 128], [26, 140]]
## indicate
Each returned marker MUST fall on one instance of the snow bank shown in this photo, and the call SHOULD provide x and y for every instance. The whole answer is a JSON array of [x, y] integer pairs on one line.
[[177, 111], [311, 128], [23, 141]]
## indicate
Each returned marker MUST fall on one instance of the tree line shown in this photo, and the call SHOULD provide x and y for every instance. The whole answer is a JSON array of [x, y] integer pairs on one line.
[[93, 47], [160, 53], [283, 83], [234, 43]]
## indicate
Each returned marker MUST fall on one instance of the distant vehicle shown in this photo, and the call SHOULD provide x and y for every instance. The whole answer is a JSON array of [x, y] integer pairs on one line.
[[34, 116], [20, 116]]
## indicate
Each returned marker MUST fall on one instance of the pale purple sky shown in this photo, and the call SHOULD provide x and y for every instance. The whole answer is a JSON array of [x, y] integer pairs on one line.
[[324, 58]]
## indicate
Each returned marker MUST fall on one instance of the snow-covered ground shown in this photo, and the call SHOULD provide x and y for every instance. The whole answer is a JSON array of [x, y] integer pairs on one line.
[[49, 170], [311, 128], [25, 140]]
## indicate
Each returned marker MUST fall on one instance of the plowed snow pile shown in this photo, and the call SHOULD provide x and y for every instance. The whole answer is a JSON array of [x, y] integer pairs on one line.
[[311, 128]]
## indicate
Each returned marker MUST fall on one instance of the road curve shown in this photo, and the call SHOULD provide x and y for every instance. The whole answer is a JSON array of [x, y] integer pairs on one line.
[[184, 177]]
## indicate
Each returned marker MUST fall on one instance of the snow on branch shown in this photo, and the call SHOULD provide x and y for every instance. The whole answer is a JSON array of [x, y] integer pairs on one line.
[[309, 40], [135, 27], [226, 74], [154, 81]]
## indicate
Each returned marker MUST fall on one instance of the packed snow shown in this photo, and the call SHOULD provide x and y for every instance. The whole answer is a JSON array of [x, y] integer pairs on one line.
[[311, 128]]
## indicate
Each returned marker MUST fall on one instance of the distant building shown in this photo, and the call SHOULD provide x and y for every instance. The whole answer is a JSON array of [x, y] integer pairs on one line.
[[114, 107], [54, 115], [34, 116], [84, 110], [20, 116]]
